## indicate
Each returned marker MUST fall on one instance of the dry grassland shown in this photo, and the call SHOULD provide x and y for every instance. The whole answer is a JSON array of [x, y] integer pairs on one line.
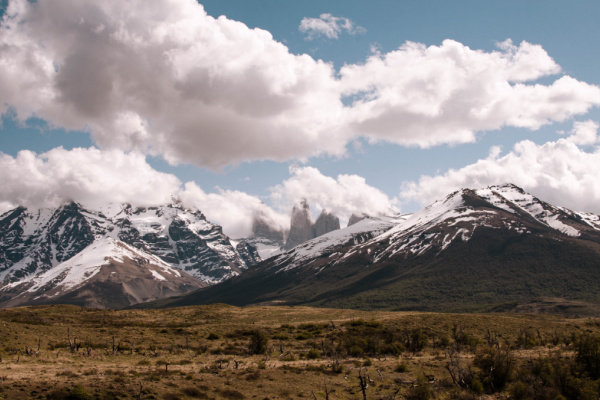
[[206, 352]]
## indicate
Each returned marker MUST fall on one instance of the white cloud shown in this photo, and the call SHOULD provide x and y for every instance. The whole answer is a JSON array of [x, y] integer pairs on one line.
[[94, 178], [329, 26], [426, 96], [343, 196], [232, 209], [88, 176], [558, 172], [584, 133], [164, 78]]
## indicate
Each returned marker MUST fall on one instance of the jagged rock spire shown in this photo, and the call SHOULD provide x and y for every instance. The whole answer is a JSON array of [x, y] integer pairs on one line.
[[326, 222], [300, 226]]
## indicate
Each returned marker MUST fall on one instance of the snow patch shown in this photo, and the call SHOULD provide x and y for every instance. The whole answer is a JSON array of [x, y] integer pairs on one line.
[[157, 276]]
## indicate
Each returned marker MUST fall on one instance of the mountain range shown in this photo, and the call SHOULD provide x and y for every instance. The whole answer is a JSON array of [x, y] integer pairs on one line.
[[113, 257], [476, 250]]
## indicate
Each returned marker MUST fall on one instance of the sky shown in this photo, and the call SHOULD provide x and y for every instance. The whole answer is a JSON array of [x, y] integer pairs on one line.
[[241, 108]]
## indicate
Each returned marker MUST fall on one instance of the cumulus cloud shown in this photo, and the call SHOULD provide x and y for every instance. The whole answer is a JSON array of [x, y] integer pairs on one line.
[[94, 178], [164, 78], [426, 96], [329, 26], [584, 133], [87, 176], [558, 172], [232, 209], [344, 195]]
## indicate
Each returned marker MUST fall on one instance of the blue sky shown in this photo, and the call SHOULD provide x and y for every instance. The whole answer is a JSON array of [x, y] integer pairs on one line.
[[220, 114]]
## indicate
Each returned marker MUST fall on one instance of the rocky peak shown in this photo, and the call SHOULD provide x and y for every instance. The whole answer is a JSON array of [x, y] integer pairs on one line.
[[300, 225], [326, 223], [354, 218], [261, 228], [302, 228]]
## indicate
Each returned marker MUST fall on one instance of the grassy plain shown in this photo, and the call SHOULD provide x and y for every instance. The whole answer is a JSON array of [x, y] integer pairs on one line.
[[225, 352]]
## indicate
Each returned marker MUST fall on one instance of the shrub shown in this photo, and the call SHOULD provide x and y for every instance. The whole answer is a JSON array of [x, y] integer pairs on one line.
[[232, 394], [496, 367], [313, 354], [78, 392], [417, 341], [401, 368], [258, 342], [422, 390], [193, 392], [588, 354]]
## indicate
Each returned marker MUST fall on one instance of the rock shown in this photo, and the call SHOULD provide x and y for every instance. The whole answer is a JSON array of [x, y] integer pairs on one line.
[[300, 226], [262, 229], [326, 222], [354, 218]]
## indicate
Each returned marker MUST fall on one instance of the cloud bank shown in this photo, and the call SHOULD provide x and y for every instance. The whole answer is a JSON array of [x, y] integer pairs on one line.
[[558, 172], [343, 196], [426, 96], [329, 26], [232, 209], [164, 78], [87, 176], [94, 178]]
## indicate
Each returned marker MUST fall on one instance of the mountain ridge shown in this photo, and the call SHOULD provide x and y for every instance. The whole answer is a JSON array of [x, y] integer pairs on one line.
[[471, 251], [36, 243]]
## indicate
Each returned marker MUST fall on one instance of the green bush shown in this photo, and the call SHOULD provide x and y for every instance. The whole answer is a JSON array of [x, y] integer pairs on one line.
[[401, 368], [421, 391], [588, 354], [313, 354], [496, 367], [258, 342]]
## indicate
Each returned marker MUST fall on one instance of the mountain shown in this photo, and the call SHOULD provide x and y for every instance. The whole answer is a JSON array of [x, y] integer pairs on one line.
[[266, 239], [115, 256], [300, 225], [327, 222], [354, 218], [302, 228], [270, 241], [475, 250]]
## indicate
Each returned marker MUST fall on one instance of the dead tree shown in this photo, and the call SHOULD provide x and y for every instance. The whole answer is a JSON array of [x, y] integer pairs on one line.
[[72, 343], [363, 379], [327, 391], [461, 375]]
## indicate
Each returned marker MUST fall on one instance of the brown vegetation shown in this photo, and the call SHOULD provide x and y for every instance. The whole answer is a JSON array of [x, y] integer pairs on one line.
[[223, 352]]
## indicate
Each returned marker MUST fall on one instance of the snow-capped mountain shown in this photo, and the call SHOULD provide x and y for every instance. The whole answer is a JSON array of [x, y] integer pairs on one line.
[[506, 207], [471, 250], [50, 253]]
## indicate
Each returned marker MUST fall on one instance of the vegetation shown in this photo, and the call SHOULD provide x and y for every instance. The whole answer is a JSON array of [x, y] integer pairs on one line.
[[224, 352]]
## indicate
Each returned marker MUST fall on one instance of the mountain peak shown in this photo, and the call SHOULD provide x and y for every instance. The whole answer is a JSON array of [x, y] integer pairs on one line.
[[300, 225], [473, 248], [326, 222], [33, 244]]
